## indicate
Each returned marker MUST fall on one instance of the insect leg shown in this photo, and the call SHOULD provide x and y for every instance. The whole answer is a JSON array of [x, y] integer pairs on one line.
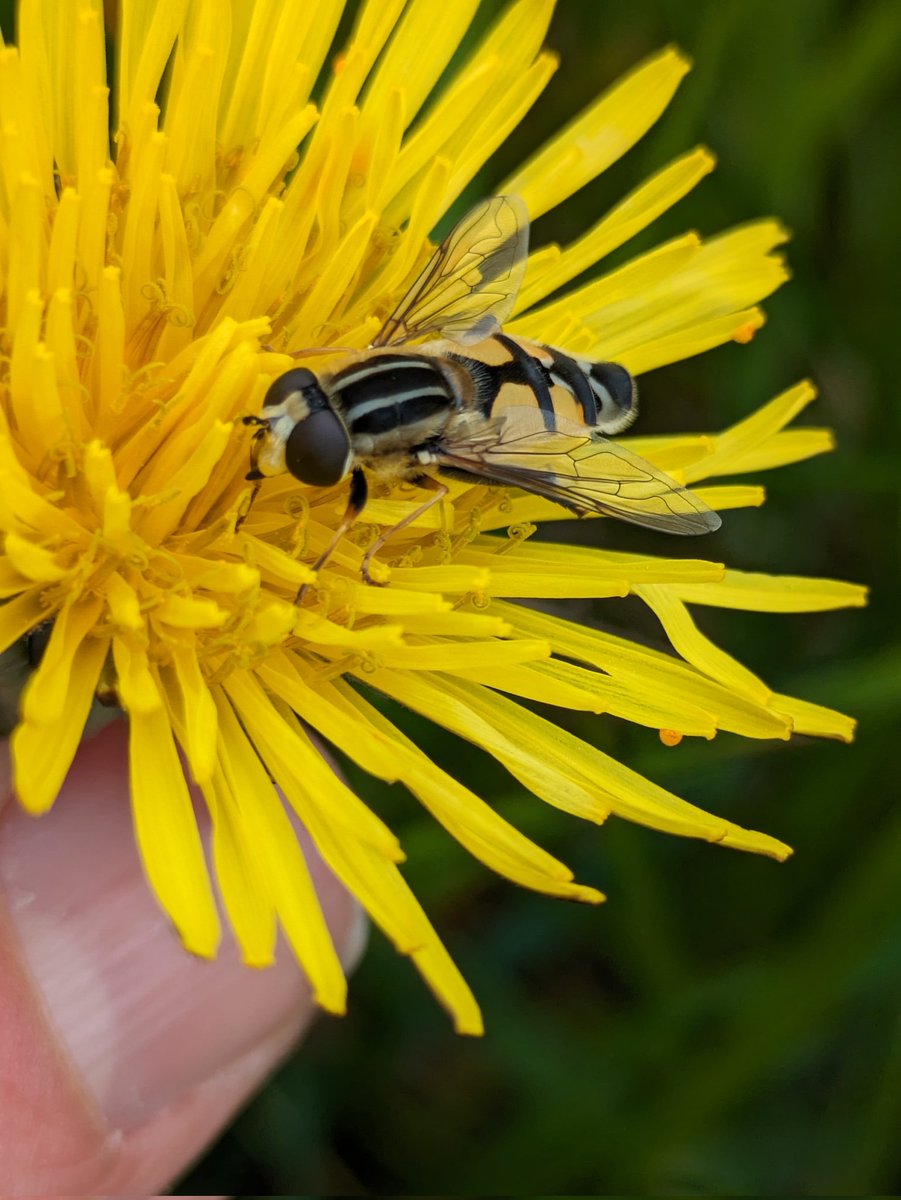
[[36, 641], [356, 502], [254, 475], [309, 352], [438, 489]]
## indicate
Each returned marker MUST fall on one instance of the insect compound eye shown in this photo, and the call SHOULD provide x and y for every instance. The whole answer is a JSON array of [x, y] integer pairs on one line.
[[616, 394], [298, 381], [317, 451]]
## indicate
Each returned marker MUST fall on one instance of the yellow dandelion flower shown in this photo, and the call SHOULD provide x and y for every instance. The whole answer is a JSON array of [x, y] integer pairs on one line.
[[153, 285]]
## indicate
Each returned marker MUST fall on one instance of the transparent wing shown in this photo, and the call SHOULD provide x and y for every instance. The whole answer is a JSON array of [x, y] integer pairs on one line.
[[469, 286], [580, 469]]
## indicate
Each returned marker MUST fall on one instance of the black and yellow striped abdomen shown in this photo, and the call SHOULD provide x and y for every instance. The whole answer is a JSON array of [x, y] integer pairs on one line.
[[511, 372]]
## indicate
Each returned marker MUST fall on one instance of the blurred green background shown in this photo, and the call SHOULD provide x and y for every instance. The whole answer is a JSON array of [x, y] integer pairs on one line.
[[724, 1024]]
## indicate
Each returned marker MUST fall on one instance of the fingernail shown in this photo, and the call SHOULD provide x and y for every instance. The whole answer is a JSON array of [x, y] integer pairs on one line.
[[143, 1022]]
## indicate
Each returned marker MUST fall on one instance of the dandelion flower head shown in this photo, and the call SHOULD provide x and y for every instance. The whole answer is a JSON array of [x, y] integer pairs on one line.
[[154, 279]]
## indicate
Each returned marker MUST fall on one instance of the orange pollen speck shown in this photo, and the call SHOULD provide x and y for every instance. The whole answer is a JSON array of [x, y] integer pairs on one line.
[[670, 737], [744, 333]]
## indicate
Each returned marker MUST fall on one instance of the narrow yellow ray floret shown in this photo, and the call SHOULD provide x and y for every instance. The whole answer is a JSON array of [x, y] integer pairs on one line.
[[154, 284]]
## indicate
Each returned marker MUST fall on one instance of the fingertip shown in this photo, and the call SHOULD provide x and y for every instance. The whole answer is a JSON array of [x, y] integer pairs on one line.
[[145, 1031]]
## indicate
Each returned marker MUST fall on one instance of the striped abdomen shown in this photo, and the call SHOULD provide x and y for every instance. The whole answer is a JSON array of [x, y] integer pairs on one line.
[[392, 401], [511, 371]]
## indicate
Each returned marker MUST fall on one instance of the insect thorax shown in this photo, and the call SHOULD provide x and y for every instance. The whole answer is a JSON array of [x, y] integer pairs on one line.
[[392, 402]]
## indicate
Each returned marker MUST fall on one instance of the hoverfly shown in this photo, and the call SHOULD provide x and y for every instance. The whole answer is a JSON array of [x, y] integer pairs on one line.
[[473, 403]]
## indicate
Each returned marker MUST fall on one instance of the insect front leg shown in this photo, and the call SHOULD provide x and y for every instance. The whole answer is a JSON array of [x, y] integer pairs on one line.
[[308, 352], [356, 502], [254, 475]]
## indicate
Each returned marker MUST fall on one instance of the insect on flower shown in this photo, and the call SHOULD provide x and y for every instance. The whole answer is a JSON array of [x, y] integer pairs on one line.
[[473, 402]]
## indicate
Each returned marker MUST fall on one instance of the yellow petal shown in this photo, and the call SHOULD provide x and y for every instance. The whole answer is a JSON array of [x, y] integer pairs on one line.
[[243, 888], [534, 569], [378, 747], [688, 640], [731, 496], [452, 578], [647, 679], [189, 612], [42, 750], [197, 709], [630, 216], [816, 720], [625, 792], [381, 890], [747, 437], [33, 561], [788, 446], [45, 696], [419, 51], [532, 760], [601, 135], [304, 776], [135, 686], [452, 655], [773, 593], [20, 615], [167, 833], [269, 845]]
